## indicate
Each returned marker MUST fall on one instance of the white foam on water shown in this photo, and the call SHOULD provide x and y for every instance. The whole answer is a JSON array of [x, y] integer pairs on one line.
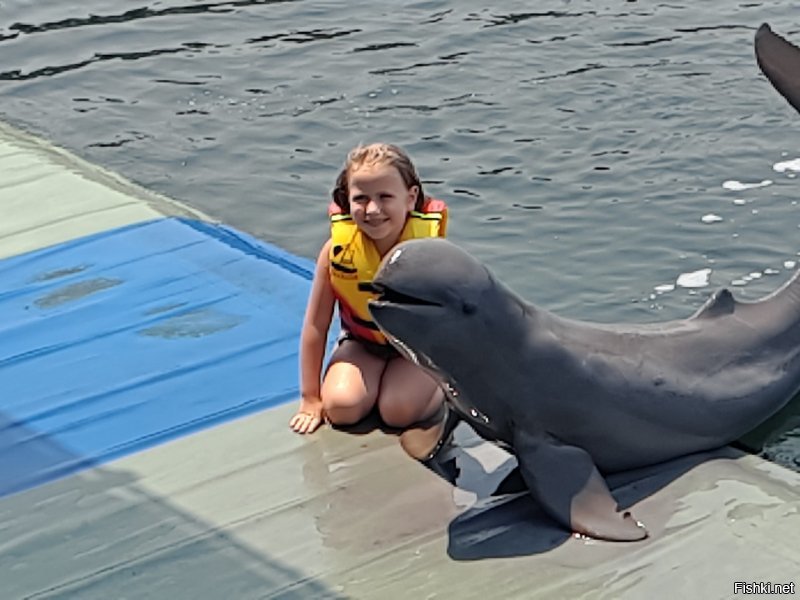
[[694, 279], [740, 201], [789, 264], [711, 218], [664, 288], [745, 279], [787, 165], [738, 186]]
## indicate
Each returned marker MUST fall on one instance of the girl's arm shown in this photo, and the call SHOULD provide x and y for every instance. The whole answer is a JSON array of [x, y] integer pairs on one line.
[[313, 338]]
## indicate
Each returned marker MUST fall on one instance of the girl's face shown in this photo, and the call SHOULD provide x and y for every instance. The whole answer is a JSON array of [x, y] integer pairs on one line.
[[380, 203]]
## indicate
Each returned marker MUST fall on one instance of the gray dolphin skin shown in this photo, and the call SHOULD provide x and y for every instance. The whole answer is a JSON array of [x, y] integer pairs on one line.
[[779, 60], [574, 400]]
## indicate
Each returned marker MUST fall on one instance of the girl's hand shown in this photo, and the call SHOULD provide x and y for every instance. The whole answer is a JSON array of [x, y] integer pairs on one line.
[[308, 417]]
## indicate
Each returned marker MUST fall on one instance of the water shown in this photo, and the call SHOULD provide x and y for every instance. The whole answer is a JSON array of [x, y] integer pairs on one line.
[[594, 153]]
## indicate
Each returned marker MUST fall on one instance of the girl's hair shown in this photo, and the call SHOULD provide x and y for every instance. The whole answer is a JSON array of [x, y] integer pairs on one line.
[[376, 154]]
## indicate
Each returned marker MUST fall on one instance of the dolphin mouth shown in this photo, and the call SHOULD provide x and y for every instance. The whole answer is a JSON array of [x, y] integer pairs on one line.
[[387, 295], [394, 297]]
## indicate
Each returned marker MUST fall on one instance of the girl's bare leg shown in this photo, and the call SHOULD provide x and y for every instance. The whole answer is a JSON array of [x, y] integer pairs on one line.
[[411, 399], [408, 394], [351, 384]]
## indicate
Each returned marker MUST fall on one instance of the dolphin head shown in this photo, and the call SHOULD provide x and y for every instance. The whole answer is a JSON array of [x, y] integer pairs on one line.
[[430, 292]]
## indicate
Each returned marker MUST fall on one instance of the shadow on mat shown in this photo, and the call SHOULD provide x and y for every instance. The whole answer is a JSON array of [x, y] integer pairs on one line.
[[519, 527], [512, 525], [504, 521]]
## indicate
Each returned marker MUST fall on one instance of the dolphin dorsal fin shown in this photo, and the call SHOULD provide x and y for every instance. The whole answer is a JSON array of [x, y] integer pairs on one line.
[[779, 60], [720, 303]]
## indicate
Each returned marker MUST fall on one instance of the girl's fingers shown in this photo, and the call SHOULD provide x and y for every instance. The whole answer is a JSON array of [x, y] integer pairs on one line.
[[304, 423], [298, 422], [311, 424]]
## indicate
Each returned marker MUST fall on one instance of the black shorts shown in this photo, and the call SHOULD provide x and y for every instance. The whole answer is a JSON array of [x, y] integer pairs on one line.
[[382, 351]]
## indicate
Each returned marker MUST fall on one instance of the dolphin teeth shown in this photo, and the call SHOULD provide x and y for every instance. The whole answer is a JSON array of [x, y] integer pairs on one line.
[[405, 349], [476, 414]]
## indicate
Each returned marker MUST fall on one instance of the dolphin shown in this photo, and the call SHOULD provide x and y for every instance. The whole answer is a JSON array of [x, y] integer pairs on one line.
[[779, 60], [575, 400]]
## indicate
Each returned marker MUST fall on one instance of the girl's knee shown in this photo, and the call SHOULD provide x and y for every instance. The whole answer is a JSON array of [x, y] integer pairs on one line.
[[345, 409], [398, 411], [350, 385], [401, 407]]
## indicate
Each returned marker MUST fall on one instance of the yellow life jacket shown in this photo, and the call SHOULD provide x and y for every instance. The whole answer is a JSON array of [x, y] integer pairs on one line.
[[355, 259]]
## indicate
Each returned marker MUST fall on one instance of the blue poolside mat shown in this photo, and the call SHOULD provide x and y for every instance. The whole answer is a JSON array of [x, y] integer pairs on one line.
[[122, 340]]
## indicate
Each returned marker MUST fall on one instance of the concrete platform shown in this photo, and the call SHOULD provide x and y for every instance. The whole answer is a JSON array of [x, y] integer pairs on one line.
[[199, 490]]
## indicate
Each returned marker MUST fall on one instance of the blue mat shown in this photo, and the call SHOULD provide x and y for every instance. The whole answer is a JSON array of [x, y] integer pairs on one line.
[[119, 341]]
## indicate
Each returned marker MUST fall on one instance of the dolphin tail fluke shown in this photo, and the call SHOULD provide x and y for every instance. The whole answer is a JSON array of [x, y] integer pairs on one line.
[[779, 60]]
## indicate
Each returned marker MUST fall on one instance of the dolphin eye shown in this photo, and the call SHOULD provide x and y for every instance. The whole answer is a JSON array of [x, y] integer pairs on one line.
[[468, 308]]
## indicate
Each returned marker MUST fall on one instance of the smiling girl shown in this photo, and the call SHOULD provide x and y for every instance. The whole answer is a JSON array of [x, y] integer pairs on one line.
[[377, 203]]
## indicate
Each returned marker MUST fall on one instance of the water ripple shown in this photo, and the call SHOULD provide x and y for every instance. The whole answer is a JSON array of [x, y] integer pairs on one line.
[[442, 61], [137, 136], [386, 46], [51, 70], [437, 17], [642, 43], [712, 28], [305, 36], [137, 14], [515, 18], [569, 73]]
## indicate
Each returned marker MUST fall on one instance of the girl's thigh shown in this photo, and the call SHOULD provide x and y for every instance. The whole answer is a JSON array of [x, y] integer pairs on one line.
[[351, 383], [407, 394]]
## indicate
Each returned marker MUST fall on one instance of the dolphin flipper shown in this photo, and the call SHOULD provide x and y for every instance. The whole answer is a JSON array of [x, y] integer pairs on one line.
[[569, 487], [779, 60]]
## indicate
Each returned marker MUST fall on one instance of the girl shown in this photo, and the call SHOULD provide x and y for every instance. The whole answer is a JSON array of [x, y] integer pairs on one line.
[[378, 202]]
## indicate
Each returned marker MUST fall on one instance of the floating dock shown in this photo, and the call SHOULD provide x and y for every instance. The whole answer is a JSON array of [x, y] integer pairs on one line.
[[148, 370]]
